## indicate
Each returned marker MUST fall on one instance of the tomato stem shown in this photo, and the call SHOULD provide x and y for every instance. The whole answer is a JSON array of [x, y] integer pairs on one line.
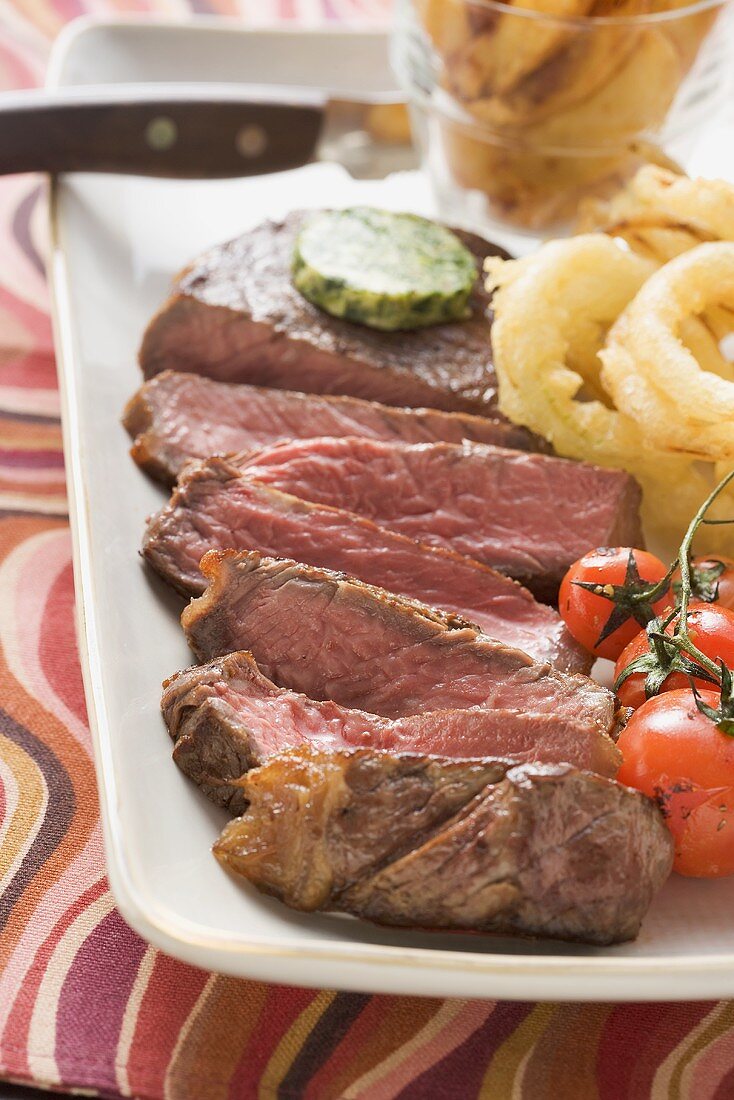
[[684, 559], [653, 594], [704, 579], [676, 652]]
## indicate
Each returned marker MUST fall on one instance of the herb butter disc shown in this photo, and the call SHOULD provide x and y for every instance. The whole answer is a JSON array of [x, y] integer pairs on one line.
[[388, 271]]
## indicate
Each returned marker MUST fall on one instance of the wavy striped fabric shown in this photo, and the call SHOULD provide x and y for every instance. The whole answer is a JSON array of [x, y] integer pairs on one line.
[[84, 1003]]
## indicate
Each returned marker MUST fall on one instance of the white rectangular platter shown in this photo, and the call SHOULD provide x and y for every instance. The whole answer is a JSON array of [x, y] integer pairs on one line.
[[115, 245]]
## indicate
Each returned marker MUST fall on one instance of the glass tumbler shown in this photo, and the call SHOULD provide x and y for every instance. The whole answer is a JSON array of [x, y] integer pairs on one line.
[[520, 114]]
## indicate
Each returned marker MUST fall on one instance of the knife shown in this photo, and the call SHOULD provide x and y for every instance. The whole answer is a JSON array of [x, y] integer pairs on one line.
[[200, 131]]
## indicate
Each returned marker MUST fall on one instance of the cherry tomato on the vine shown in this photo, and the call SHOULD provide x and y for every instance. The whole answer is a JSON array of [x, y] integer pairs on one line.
[[710, 628], [675, 754], [588, 615], [708, 578]]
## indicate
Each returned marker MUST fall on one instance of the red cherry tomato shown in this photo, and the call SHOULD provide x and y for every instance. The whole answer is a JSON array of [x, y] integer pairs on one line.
[[723, 583], [710, 628], [586, 614], [678, 756]]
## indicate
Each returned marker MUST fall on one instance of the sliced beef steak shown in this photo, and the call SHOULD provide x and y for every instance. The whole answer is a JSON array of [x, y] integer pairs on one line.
[[214, 507], [235, 315], [176, 417], [423, 841], [225, 717], [529, 516], [331, 637]]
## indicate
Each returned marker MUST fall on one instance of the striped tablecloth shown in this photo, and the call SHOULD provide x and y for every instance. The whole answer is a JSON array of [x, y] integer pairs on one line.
[[84, 1003]]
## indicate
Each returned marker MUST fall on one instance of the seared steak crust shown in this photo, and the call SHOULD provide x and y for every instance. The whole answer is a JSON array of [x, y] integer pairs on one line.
[[177, 417], [215, 507], [225, 717], [467, 845], [235, 315], [527, 515], [329, 636]]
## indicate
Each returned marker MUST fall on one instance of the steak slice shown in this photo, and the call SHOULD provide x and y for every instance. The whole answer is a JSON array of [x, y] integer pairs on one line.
[[215, 507], [235, 315], [176, 417], [529, 516], [331, 637], [225, 717], [423, 841]]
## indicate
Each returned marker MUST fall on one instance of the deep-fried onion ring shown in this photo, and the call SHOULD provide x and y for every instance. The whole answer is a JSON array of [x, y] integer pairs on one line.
[[552, 310], [653, 377], [661, 213], [703, 202]]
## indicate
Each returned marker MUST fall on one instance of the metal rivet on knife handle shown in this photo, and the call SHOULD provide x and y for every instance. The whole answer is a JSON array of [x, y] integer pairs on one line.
[[161, 133], [251, 141]]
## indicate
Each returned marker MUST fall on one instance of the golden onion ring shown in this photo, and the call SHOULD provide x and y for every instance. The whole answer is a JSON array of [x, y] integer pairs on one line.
[[703, 341], [659, 239], [661, 213], [552, 310], [702, 202], [573, 291], [653, 377]]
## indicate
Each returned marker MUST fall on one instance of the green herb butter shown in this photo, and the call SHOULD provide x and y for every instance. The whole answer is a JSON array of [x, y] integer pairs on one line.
[[388, 271]]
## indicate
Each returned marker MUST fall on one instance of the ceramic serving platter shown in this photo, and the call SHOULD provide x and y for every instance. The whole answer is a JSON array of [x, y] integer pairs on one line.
[[115, 245]]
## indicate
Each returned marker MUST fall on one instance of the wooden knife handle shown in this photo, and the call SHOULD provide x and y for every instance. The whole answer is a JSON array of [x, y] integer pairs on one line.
[[203, 136]]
